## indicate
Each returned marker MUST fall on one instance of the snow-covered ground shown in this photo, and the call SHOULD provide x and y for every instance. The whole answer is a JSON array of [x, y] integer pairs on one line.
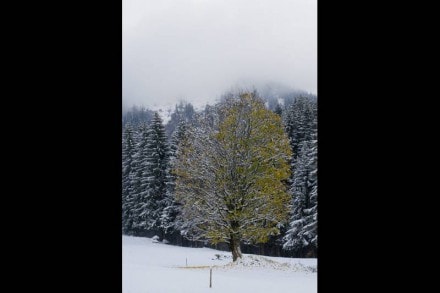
[[157, 267]]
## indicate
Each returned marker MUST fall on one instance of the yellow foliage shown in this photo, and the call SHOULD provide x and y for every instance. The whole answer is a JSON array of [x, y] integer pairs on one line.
[[245, 187]]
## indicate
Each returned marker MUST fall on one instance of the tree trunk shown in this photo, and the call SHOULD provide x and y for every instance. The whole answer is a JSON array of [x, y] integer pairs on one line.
[[261, 248], [162, 234], [234, 245]]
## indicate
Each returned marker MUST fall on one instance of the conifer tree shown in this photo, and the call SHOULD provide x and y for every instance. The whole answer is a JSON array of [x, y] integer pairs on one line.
[[169, 221], [128, 152], [136, 190], [301, 237], [153, 181]]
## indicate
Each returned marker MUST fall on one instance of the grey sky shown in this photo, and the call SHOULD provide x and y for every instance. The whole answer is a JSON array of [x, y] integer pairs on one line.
[[197, 49]]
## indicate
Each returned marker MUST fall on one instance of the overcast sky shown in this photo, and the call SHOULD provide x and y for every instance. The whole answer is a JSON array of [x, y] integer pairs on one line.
[[198, 49]]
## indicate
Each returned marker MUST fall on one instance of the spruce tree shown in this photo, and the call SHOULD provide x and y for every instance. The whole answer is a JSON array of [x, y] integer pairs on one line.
[[300, 121], [141, 139], [301, 236], [153, 182], [169, 221], [128, 153], [311, 212]]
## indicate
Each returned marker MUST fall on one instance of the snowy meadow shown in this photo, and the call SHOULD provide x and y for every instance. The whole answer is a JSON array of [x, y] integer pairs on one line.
[[150, 266]]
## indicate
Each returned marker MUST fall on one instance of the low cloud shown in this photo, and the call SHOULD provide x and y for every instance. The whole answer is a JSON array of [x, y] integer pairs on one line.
[[198, 49]]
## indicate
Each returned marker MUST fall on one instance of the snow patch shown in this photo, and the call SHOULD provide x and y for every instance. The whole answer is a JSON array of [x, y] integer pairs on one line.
[[258, 261]]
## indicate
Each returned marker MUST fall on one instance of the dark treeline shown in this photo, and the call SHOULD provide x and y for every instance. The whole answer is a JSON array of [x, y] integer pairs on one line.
[[149, 153]]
